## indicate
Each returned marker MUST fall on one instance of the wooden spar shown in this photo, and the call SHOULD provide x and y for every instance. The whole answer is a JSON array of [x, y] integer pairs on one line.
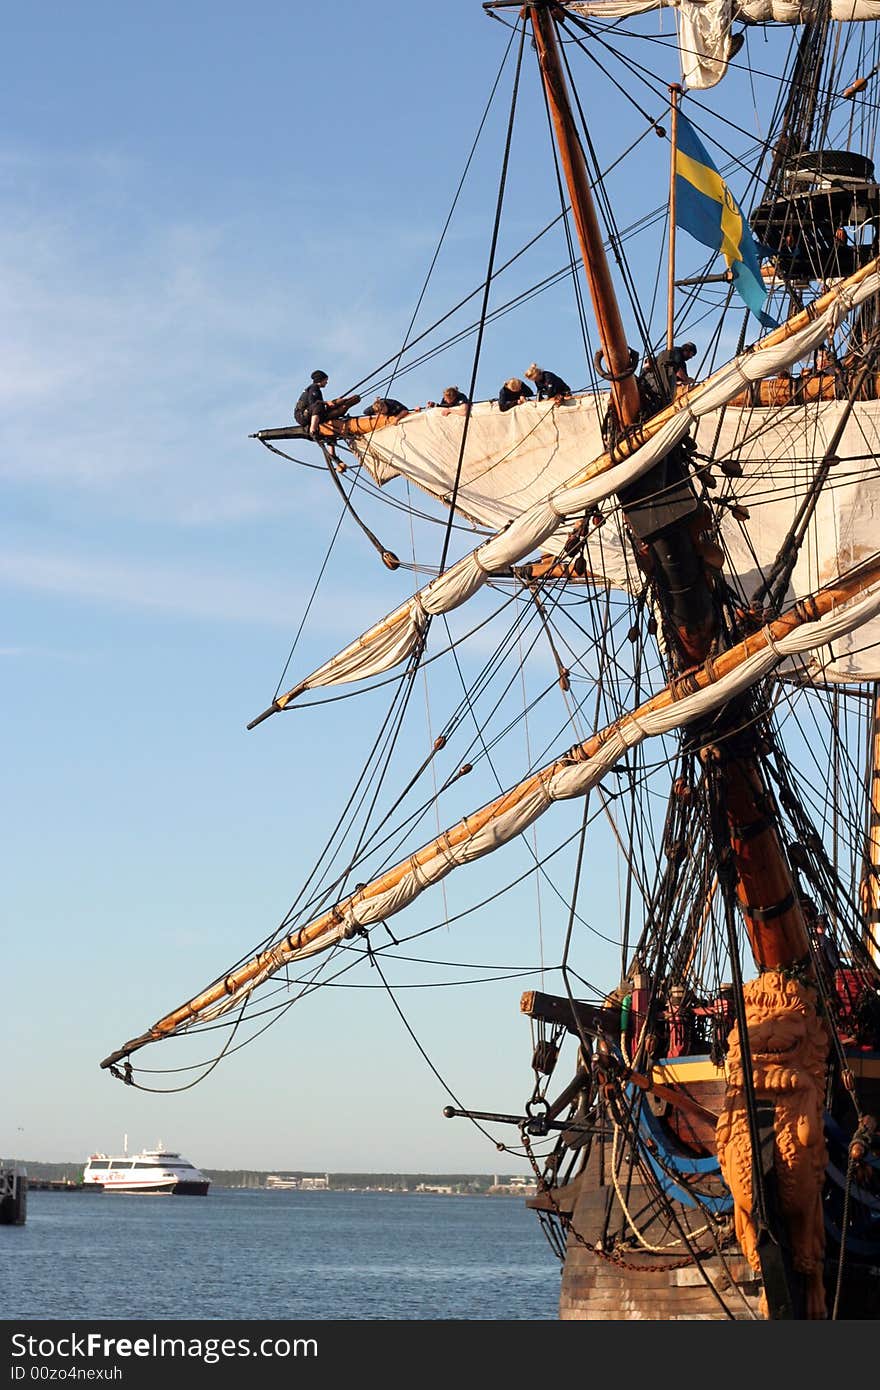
[[328, 924], [871, 872], [336, 429], [674, 94], [765, 886], [616, 351], [574, 1014]]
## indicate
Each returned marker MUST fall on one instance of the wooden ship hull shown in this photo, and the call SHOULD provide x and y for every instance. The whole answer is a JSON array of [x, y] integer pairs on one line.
[[619, 1265]]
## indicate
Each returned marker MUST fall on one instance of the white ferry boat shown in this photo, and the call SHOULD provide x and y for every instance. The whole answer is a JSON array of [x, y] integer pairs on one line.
[[153, 1170]]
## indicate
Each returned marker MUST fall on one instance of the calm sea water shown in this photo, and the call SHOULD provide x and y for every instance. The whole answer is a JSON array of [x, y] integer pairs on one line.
[[277, 1255]]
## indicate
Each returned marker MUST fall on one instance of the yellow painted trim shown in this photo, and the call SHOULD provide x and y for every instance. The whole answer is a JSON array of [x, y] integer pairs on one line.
[[683, 1071], [700, 1069]]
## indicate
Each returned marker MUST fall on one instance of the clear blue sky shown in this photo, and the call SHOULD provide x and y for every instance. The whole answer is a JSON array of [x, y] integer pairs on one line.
[[201, 203]]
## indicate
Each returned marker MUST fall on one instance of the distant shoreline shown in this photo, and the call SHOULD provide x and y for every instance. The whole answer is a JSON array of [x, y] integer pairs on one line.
[[68, 1177]]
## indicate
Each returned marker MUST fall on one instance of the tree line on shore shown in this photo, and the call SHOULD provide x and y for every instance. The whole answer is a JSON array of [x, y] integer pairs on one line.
[[256, 1178]]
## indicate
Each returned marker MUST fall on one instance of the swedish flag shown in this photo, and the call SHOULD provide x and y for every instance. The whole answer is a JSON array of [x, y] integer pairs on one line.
[[705, 207]]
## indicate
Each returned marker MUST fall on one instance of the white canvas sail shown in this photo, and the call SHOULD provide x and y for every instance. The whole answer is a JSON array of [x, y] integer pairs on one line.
[[704, 28], [512, 458], [515, 458], [397, 635]]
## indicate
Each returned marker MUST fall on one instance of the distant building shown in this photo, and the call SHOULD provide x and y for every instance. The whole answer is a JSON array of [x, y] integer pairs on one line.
[[314, 1184], [517, 1186]]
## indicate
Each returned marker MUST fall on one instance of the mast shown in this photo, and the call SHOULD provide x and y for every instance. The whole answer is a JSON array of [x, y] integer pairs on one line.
[[871, 870], [674, 94], [753, 862], [765, 884], [615, 349]]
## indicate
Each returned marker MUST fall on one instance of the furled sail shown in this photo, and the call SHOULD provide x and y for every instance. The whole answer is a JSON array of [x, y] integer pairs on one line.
[[513, 460], [815, 622], [398, 635], [704, 28]]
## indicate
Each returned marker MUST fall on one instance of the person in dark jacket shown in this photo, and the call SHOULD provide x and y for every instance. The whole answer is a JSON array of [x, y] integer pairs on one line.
[[451, 396], [548, 385], [513, 392], [671, 371], [386, 405], [311, 410]]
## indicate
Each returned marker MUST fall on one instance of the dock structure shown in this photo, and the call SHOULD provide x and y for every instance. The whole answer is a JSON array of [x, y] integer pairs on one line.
[[59, 1185], [13, 1195]]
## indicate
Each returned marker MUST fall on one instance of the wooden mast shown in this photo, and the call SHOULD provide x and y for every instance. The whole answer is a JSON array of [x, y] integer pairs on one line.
[[871, 870], [765, 885], [615, 349], [674, 94]]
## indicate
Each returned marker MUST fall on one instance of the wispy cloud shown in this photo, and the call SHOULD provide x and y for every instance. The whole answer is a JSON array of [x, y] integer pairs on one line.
[[139, 348], [182, 591]]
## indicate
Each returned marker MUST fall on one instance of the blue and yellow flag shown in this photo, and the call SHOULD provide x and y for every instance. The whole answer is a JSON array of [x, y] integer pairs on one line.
[[706, 208]]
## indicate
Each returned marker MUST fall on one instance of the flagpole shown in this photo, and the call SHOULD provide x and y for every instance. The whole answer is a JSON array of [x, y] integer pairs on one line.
[[674, 94]]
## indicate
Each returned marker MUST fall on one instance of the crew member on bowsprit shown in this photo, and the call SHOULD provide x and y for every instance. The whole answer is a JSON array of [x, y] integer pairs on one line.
[[311, 410]]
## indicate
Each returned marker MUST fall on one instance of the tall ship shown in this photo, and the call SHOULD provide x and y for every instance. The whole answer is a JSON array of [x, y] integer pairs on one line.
[[646, 602], [151, 1171]]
